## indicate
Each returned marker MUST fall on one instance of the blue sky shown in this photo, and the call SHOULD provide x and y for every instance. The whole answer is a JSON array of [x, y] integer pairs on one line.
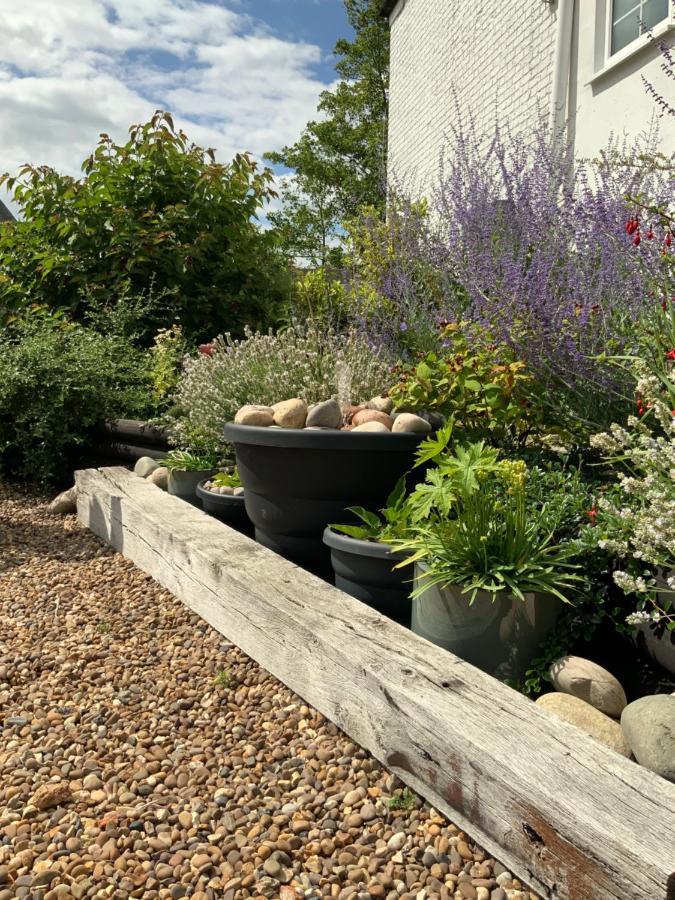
[[237, 74]]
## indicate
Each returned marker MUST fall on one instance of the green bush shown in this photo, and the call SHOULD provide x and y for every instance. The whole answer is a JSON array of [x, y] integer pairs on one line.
[[156, 212], [57, 380], [484, 390]]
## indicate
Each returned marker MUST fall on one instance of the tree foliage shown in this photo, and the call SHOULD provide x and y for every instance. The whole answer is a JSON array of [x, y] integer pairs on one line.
[[340, 159], [155, 212]]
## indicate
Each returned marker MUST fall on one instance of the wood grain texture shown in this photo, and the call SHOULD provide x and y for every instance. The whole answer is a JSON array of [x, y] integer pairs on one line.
[[569, 817]]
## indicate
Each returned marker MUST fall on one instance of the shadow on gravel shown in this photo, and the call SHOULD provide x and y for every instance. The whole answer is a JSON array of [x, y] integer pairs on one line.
[[29, 531]]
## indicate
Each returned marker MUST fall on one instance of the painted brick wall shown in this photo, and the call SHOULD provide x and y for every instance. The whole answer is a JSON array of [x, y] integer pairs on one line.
[[494, 57]]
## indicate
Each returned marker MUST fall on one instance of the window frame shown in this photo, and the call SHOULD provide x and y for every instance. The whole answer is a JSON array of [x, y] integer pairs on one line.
[[638, 42], [613, 60]]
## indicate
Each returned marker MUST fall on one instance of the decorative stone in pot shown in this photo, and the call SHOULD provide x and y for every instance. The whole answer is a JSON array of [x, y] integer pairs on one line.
[[298, 480], [499, 636], [365, 569], [228, 508], [183, 484]]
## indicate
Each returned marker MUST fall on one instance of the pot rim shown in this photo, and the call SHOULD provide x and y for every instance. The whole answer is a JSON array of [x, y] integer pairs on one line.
[[331, 439], [359, 547], [491, 595], [210, 495]]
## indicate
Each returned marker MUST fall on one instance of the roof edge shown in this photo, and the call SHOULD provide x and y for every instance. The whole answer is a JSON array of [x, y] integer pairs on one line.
[[387, 7]]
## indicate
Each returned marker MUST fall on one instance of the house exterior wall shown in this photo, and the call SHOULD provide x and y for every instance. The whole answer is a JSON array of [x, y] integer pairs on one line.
[[496, 61], [615, 102], [495, 58]]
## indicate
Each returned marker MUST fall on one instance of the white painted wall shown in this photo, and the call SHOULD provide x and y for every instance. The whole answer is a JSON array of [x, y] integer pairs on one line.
[[607, 93], [496, 59]]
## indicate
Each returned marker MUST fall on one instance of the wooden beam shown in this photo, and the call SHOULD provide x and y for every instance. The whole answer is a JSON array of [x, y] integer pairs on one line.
[[568, 816]]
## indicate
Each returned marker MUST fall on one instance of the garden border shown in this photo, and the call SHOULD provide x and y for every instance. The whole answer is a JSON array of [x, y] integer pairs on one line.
[[568, 816]]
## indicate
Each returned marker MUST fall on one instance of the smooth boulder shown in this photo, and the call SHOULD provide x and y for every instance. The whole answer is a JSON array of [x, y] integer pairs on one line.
[[649, 727], [290, 413], [372, 415], [587, 718], [145, 466], [326, 414], [255, 415], [589, 682], [381, 404], [411, 422], [160, 478], [65, 502], [374, 426]]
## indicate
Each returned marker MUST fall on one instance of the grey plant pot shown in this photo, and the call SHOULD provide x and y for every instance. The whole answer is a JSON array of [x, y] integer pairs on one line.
[[499, 636], [184, 484], [366, 570]]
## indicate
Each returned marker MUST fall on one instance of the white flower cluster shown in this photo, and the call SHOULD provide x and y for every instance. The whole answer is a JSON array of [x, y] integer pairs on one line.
[[308, 361], [639, 527]]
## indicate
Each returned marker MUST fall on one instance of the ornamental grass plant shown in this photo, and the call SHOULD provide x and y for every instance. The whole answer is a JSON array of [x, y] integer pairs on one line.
[[482, 534]]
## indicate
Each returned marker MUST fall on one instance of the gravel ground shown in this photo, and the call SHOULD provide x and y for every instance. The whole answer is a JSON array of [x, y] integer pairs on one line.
[[142, 755]]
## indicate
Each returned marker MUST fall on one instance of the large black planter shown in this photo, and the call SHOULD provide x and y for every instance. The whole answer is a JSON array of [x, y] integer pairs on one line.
[[227, 508], [365, 569], [298, 481]]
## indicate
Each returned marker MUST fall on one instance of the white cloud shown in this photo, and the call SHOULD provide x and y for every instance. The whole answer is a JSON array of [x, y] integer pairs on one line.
[[70, 69]]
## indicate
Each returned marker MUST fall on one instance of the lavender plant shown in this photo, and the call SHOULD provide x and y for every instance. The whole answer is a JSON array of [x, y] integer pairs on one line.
[[311, 361], [531, 246], [538, 242]]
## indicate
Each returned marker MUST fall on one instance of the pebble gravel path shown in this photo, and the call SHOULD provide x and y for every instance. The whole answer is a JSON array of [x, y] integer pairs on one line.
[[142, 755]]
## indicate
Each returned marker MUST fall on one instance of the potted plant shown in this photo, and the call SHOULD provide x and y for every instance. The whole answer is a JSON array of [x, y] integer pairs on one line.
[[489, 580], [222, 496], [298, 480], [186, 470], [364, 562]]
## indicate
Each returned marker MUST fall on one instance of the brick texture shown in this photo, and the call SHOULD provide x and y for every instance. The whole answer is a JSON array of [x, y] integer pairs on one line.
[[494, 59]]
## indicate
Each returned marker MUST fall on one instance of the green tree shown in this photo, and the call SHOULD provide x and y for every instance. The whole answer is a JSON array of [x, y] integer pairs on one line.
[[340, 160], [157, 214]]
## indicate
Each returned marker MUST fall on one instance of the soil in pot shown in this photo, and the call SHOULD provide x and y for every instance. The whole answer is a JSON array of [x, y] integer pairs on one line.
[[184, 485], [499, 636], [227, 508], [365, 570], [298, 481]]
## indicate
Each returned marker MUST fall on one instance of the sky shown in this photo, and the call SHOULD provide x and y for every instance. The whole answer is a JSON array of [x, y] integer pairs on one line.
[[238, 75]]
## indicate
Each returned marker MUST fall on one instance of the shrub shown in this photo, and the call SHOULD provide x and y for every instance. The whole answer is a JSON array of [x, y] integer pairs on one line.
[[57, 380], [636, 520], [394, 288], [484, 390], [156, 210], [309, 361]]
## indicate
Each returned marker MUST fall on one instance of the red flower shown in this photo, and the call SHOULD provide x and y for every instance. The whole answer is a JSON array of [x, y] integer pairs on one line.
[[649, 234], [207, 349], [593, 515], [670, 354], [636, 240], [668, 239], [632, 225]]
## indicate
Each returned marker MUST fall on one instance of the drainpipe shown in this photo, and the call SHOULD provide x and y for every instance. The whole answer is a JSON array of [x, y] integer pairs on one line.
[[561, 67]]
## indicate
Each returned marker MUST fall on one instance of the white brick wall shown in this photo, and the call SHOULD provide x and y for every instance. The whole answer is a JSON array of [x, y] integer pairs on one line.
[[494, 56]]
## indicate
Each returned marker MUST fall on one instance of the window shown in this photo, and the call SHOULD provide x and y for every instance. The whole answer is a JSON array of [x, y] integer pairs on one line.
[[631, 18]]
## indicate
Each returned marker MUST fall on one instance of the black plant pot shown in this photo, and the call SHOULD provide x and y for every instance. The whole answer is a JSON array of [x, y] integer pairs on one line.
[[225, 507], [298, 481], [365, 569]]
